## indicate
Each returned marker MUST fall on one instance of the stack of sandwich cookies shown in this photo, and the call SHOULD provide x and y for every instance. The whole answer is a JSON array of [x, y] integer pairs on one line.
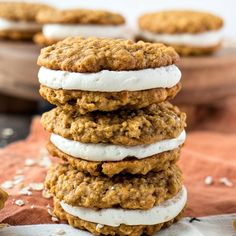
[[119, 175], [60, 24], [189, 32], [18, 20]]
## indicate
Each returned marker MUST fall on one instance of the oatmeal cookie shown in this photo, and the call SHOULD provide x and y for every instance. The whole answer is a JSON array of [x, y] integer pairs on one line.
[[79, 16], [126, 191], [121, 230], [3, 198], [123, 127], [179, 21], [155, 163], [86, 101], [76, 54], [21, 11]]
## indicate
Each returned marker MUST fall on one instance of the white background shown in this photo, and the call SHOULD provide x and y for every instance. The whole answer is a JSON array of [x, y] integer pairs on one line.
[[131, 9]]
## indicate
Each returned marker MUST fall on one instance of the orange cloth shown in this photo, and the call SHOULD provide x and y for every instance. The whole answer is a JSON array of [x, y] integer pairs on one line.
[[205, 153]]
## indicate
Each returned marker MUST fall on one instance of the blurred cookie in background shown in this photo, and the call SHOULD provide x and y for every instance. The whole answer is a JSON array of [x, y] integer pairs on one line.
[[189, 32], [60, 24], [17, 20], [3, 198]]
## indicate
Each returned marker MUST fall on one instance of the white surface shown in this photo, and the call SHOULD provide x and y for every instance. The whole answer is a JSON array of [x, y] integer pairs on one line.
[[18, 25], [109, 152], [116, 216], [111, 81], [219, 225], [206, 39], [59, 31]]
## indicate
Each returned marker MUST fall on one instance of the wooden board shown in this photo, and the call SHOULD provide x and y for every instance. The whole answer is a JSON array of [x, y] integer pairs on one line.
[[18, 69], [208, 79]]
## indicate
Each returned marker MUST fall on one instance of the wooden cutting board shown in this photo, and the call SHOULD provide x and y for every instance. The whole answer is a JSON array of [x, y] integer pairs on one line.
[[18, 69], [208, 79], [205, 79]]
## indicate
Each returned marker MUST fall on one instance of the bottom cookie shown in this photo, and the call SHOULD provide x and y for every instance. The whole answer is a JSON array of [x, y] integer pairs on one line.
[[98, 229], [16, 35], [3, 198], [184, 50]]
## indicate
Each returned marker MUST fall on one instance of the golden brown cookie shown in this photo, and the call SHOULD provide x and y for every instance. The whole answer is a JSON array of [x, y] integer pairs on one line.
[[3, 198], [126, 191], [76, 54], [21, 11], [41, 40], [179, 21], [124, 127], [16, 35], [79, 16], [85, 101], [109, 230], [155, 163]]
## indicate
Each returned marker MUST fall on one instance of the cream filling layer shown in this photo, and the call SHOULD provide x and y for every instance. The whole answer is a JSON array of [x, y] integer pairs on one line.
[[18, 25], [164, 212], [110, 152], [206, 39], [62, 31], [111, 81]]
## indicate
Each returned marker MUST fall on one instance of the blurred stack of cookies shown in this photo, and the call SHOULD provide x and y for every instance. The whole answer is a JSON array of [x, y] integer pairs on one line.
[[189, 32], [117, 135], [60, 24]]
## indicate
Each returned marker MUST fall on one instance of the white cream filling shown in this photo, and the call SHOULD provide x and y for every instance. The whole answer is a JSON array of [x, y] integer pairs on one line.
[[110, 152], [164, 212], [206, 39], [18, 25], [111, 81], [62, 31]]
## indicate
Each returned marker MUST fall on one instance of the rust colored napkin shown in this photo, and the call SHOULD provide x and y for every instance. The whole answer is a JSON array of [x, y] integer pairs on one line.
[[204, 154]]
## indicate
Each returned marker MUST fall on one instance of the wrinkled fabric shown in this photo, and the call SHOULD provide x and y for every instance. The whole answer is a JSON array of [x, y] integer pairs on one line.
[[205, 153]]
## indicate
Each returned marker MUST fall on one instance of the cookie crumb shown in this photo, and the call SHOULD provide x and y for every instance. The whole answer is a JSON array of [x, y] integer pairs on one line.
[[208, 180], [46, 194], [99, 226], [7, 184], [29, 162], [7, 132], [25, 191], [18, 179], [226, 181], [54, 219], [60, 232], [19, 202], [36, 186]]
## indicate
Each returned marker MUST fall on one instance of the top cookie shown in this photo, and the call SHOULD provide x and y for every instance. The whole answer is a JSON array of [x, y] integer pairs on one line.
[[80, 16], [92, 55], [182, 21], [21, 11]]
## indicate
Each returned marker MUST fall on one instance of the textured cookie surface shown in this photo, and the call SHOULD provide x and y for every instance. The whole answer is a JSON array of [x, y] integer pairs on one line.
[[125, 127], [175, 22], [79, 16], [3, 198], [126, 191], [109, 230], [153, 163], [86, 101], [21, 11], [92, 55]]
